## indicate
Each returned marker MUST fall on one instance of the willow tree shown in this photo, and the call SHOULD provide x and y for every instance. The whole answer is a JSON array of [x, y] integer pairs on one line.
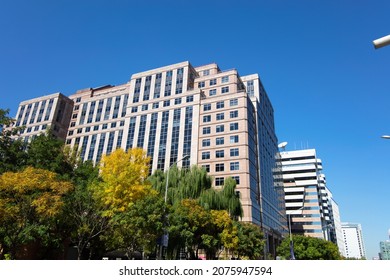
[[182, 183], [225, 199]]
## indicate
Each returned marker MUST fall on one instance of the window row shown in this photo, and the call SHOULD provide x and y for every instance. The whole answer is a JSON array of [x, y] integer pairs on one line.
[[219, 128], [220, 167], [234, 152], [96, 127], [166, 103], [220, 181], [220, 104], [212, 82], [221, 116], [34, 128]]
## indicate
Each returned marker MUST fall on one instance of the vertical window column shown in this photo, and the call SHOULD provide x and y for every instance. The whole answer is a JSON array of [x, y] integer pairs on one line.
[[130, 133], [187, 136], [163, 141], [175, 136]]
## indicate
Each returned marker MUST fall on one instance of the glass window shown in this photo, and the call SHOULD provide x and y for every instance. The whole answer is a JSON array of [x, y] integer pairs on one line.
[[167, 103], [219, 181], [205, 142], [234, 139], [225, 79], [207, 118], [205, 155], [190, 98], [220, 128], [219, 167], [233, 102], [234, 152], [206, 130], [237, 179], [213, 82], [134, 109], [206, 72], [206, 167], [207, 107], [220, 105], [234, 126], [155, 105], [145, 107], [212, 92], [225, 89], [201, 84], [177, 101], [234, 166], [219, 153], [220, 141], [220, 116], [234, 114]]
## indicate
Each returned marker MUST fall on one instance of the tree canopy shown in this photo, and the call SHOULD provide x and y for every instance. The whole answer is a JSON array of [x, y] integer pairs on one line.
[[309, 248]]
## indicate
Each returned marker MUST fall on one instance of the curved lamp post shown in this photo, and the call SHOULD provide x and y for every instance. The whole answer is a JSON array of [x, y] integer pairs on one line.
[[381, 42]]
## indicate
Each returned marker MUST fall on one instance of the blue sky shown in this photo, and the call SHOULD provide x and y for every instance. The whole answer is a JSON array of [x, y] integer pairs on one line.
[[328, 85]]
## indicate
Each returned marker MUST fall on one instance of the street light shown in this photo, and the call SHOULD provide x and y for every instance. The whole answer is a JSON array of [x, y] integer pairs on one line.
[[292, 254], [381, 42], [165, 237]]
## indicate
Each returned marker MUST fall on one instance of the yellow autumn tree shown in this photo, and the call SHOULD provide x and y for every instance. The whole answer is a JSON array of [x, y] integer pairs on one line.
[[30, 202], [123, 177]]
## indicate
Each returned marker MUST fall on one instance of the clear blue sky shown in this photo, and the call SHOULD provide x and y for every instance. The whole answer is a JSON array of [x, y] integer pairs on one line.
[[326, 82]]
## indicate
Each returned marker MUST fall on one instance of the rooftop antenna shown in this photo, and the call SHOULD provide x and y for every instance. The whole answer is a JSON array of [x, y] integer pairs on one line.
[[282, 146]]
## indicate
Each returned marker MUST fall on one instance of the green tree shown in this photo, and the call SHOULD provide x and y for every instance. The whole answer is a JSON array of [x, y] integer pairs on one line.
[[12, 150], [31, 201], [182, 183], [46, 151], [83, 215], [250, 241], [188, 222], [309, 248], [138, 227], [195, 183], [225, 199]]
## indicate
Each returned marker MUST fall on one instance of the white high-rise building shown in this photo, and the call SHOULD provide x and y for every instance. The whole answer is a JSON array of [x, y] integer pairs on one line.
[[310, 209], [353, 240]]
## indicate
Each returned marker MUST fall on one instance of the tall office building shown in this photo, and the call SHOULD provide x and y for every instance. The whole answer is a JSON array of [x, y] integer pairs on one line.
[[310, 208], [38, 114], [353, 240], [384, 247], [222, 121]]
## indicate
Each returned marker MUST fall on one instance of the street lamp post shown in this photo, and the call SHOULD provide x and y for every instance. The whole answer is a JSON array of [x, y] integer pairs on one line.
[[292, 253], [165, 237]]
